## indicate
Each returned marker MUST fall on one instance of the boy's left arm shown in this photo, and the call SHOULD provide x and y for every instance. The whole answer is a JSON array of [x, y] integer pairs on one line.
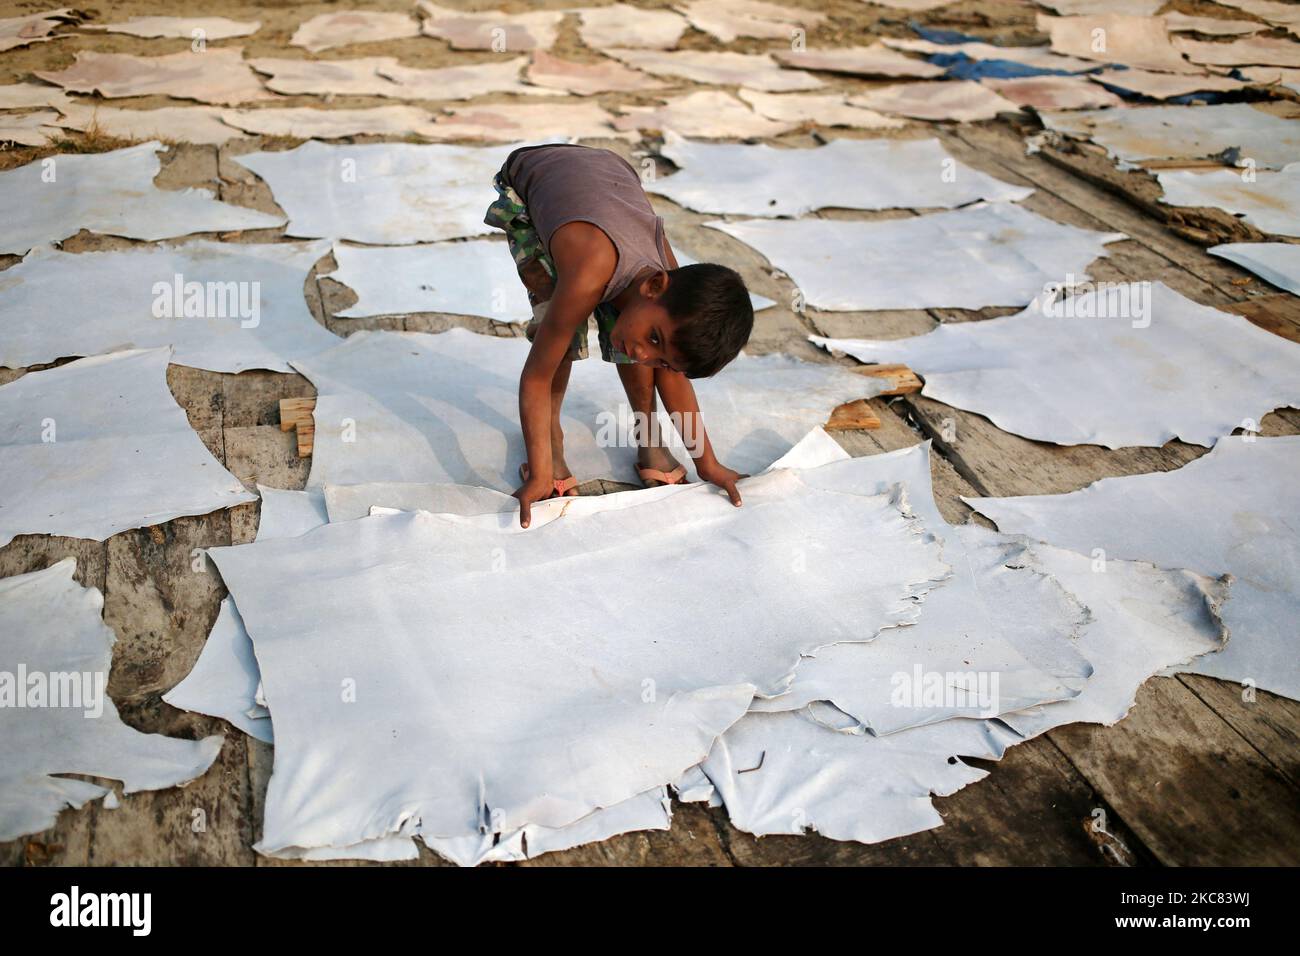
[[678, 395]]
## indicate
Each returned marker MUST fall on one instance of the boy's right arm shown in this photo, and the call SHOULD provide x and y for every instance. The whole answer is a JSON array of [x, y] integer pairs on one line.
[[577, 293]]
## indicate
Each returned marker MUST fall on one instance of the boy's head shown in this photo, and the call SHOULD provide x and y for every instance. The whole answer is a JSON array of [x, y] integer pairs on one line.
[[694, 319]]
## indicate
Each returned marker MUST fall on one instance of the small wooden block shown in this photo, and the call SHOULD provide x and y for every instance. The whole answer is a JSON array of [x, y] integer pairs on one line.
[[851, 416], [904, 380], [294, 410], [306, 436]]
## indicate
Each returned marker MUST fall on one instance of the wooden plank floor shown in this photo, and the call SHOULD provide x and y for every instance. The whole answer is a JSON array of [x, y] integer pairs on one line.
[[1196, 774]]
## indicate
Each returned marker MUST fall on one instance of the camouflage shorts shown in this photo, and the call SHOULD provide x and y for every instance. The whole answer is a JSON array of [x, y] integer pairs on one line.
[[537, 272]]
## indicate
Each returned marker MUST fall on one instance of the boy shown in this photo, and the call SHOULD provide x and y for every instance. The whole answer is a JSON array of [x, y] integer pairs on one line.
[[586, 241]]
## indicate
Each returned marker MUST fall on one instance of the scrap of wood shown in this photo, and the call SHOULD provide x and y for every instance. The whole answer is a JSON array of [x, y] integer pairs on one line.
[[296, 413], [293, 410], [851, 416], [904, 380], [306, 436], [1203, 226], [1185, 164]]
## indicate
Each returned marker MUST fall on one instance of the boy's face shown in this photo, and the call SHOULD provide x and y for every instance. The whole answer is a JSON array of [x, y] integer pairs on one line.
[[644, 329], [644, 333]]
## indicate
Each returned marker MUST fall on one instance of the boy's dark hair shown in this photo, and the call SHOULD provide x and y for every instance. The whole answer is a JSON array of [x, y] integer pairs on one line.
[[712, 315]]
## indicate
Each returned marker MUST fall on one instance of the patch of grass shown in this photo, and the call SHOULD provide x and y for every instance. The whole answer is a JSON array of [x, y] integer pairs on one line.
[[90, 140]]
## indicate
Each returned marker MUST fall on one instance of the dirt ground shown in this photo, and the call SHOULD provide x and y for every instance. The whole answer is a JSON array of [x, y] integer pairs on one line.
[[1195, 775]]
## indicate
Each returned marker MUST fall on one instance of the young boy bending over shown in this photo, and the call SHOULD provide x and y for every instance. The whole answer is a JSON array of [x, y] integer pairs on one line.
[[587, 243]]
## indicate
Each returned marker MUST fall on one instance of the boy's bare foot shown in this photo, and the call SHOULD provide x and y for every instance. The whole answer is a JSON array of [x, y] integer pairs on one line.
[[658, 458]]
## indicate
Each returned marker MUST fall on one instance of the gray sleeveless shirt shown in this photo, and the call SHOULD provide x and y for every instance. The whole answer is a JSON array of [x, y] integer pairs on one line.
[[561, 184]]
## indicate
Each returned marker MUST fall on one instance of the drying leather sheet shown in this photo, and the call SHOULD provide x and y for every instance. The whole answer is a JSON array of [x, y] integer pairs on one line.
[[410, 406], [1275, 262], [1270, 201], [1139, 619], [493, 30], [307, 122], [1054, 92], [1142, 43], [34, 27], [111, 193], [1253, 51], [1281, 14], [476, 277], [728, 19], [824, 109], [1270, 75], [586, 79], [623, 25], [349, 502], [874, 60], [356, 77], [98, 446], [1184, 370], [961, 101], [345, 27], [1000, 614], [217, 75], [226, 683], [381, 193], [766, 181], [1142, 620], [992, 254], [557, 717], [706, 114], [522, 122], [30, 129], [787, 773], [1231, 511], [1116, 624], [386, 76], [178, 124], [1183, 132], [16, 96], [498, 75], [758, 71], [224, 680], [51, 628], [1209, 26], [1161, 86], [223, 306], [206, 28]]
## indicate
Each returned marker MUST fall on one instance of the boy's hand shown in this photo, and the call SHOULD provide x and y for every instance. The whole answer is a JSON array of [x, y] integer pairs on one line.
[[717, 474], [534, 489]]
